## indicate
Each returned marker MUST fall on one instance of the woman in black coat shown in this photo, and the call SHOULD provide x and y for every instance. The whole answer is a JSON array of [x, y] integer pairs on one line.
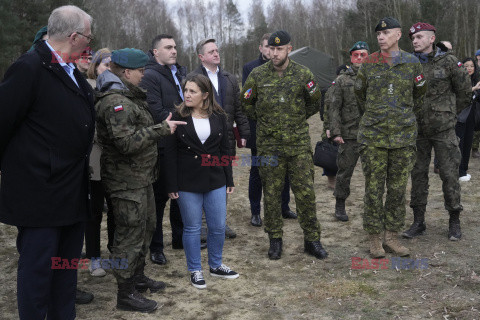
[[466, 121], [200, 175]]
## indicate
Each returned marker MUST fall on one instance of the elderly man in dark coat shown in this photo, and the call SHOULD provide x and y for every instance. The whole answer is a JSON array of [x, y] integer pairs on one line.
[[46, 134]]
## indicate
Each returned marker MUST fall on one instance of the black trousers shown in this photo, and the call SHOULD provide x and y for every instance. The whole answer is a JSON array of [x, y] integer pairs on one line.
[[161, 198], [45, 287], [465, 132], [92, 228]]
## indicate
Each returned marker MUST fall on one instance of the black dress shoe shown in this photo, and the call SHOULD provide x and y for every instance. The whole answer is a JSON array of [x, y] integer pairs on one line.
[[275, 251], [256, 221], [289, 214], [315, 249], [158, 257], [82, 297]]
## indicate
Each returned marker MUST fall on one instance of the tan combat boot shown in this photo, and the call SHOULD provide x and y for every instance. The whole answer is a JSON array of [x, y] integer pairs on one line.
[[391, 242], [376, 249]]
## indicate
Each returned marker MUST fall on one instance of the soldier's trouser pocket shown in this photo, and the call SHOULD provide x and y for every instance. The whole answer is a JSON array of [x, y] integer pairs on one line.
[[128, 208]]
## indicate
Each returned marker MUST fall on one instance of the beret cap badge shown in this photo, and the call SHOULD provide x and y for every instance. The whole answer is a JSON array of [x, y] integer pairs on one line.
[[277, 40], [384, 24]]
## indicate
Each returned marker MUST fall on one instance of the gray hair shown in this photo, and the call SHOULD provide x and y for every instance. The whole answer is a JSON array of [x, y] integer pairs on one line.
[[65, 20]]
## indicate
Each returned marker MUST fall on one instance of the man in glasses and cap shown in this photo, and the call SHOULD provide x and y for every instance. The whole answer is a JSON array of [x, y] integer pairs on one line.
[[344, 117], [390, 86]]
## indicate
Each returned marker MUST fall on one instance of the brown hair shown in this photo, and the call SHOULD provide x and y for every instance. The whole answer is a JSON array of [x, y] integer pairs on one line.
[[96, 60], [266, 36], [117, 70], [210, 104]]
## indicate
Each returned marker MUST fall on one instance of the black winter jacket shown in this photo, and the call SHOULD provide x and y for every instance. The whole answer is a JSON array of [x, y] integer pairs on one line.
[[162, 91]]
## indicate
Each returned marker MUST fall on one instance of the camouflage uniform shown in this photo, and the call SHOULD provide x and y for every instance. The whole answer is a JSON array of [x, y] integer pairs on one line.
[[344, 117], [281, 106], [449, 92], [127, 133], [388, 96]]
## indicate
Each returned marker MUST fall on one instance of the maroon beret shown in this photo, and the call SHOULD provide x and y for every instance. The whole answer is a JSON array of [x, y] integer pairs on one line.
[[421, 26]]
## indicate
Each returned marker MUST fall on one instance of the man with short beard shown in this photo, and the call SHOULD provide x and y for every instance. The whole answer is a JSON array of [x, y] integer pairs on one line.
[[254, 182], [389, 89], [448, 93], [281, 95]]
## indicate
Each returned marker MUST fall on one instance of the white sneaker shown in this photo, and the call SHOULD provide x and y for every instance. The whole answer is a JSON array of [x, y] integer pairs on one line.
[[465, 178], [96, 270]]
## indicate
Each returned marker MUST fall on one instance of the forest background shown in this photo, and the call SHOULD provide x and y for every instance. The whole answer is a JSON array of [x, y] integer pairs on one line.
[[326, 25]]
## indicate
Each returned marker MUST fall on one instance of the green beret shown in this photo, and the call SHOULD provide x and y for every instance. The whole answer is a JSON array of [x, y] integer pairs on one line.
[[360, 45], [130, 58], [387, 23], [279, 38], [38, 37]]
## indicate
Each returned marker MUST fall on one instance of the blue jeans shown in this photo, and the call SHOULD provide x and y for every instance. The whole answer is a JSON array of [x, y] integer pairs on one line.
[[214, 203]]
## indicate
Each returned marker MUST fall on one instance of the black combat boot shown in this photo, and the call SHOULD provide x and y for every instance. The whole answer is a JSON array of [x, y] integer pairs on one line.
[[315, 249], [418, 226], [142, 282], [454, 231], [129, 299], [275, 251], [340, 212]]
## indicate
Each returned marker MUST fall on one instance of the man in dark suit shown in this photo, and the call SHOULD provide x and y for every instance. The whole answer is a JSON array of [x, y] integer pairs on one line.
[[46, 134], [255, 183], [226, 94], [162, 80]]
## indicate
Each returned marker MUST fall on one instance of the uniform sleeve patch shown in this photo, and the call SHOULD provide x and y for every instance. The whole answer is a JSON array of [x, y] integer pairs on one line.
[[459, 64], [333, 82], [310, 84], [419, 78], [247, 94], [118, 108]]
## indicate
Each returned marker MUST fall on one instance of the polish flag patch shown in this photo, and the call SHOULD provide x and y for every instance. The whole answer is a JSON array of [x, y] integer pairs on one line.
[[310, 84], [459, 64], [118, 108], [333, 83], [419, 78]]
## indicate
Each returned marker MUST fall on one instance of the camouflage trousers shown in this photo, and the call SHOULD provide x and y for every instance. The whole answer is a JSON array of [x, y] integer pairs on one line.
[[347, 158], [298, 164], [134, 212], [476, 140], [390, 167], [448, 156]]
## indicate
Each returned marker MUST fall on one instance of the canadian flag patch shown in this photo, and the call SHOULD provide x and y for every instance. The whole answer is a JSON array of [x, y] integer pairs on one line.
[[118, 108], [310, 84], [419, 78], [459, 64]]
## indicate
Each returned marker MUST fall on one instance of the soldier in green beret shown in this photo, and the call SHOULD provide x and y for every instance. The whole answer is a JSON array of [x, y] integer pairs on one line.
[[344, 117], [128, 136], [389, 88], [449, 92], [281, 95]]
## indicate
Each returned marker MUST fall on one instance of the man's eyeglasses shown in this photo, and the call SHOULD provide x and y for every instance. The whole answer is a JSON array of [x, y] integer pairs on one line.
[[90, 37]]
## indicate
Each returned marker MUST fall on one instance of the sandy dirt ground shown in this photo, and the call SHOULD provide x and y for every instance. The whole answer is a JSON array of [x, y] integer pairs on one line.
[[298, 286]]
